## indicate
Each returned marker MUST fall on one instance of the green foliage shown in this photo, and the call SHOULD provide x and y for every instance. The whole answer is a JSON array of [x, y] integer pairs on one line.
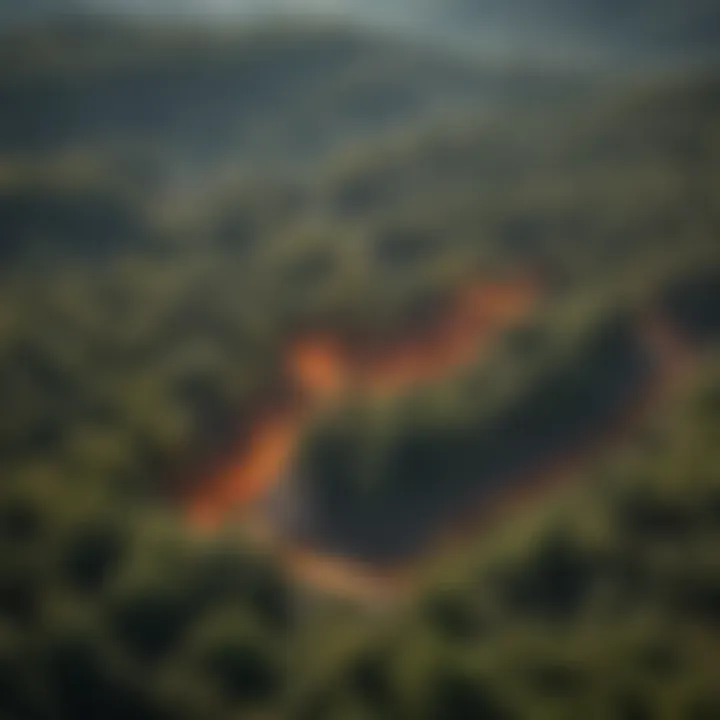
[[606, 605], [141, 325]]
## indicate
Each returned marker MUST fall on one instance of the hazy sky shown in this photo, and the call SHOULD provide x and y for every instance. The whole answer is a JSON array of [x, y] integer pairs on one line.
[[343, 7], [377, 10]]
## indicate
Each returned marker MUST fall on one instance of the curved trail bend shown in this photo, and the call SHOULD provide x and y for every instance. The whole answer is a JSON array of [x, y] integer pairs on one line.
[[322, 368]]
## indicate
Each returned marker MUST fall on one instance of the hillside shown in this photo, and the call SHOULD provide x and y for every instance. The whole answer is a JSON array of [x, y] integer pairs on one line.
[[427, 430], [667, 32], [639, 32], [250, 100]]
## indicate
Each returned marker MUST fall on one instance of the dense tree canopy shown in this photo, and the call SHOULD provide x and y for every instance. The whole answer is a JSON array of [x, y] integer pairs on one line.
[[144, 324]]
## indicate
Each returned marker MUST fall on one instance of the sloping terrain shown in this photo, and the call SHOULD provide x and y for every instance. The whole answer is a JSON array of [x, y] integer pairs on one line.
[[264, 98], [144, 338]]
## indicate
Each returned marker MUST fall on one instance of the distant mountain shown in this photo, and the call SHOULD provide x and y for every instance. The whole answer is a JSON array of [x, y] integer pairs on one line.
[[262, 97], [614, 29], [635, 30], [13, 12]]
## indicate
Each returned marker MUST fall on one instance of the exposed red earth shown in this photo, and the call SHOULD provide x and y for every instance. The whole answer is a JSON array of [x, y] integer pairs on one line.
[[322, 368]]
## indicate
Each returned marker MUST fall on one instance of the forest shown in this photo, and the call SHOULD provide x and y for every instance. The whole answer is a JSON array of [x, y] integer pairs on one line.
[[345, 376]]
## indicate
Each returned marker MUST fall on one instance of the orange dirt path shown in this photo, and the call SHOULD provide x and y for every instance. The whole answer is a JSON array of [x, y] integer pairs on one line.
[[346, 578], [322, 368]]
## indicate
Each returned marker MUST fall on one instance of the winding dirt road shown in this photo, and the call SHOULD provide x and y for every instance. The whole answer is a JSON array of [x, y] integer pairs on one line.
[[322, 368]]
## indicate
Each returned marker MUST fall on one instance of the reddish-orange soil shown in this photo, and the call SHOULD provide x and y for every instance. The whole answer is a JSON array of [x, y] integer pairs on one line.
[[675, 363], [322, 368]]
